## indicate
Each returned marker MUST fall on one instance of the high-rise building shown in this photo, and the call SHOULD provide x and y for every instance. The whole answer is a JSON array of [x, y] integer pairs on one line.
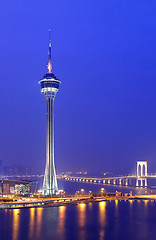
[[50, 86]]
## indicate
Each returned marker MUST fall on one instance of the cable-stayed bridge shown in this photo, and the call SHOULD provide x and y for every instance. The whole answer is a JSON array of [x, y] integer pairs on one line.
[[140, 178]]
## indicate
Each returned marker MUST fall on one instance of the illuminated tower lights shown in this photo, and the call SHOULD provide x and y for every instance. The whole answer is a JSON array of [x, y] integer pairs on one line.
[[50, 86]]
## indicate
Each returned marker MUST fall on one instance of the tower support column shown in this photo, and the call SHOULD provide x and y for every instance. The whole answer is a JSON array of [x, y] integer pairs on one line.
[[50, 183]]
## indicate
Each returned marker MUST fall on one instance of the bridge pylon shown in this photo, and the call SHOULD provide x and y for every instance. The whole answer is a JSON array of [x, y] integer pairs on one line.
[[141, 173]]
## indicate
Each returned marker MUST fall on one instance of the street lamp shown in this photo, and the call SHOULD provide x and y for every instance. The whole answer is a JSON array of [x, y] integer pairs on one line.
[[82, 191], [102, 190]]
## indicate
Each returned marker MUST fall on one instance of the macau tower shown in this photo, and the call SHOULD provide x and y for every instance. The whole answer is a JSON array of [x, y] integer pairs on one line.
[[49, 86]]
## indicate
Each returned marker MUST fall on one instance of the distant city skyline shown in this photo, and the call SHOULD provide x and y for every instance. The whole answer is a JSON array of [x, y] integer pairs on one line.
[[105, 53]]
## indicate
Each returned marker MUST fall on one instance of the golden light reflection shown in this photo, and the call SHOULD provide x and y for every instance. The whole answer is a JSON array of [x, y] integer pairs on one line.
[[16, 217], [90, 205], [116, 230], [62, 216], [131, 202], [82, 214], [39, 221], [31, 222], [146, 207], [146, 202], [116, 203], [102, 218], [102, 206], [62, 210]]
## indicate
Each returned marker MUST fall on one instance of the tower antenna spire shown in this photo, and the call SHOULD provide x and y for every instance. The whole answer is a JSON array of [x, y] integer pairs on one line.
[[49, 66]]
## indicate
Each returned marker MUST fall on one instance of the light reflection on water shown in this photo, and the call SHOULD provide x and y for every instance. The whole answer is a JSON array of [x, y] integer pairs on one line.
[[90, 205], [31, 222], [146, 202], [82, 214], [116, 203], [102, 219], [116, 218], [82, 221], [15, 222], [62, 218], [131, 202], [39, 221]]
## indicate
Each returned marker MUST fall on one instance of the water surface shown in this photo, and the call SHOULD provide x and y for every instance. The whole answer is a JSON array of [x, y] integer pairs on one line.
[[130, 220]]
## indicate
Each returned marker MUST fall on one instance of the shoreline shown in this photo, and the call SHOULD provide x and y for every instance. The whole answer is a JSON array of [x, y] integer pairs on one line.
[[52, 202]]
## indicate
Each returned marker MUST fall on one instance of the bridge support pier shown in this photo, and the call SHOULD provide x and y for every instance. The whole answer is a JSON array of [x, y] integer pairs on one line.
[[120, 181], [141, 182], [126, 183], [146, 182]]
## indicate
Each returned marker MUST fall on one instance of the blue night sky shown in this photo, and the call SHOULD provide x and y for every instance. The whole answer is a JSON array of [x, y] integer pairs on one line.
[[104, 53]]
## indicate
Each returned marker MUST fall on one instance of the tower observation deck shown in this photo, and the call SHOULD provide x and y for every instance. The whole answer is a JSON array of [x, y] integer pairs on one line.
[[49, 86]]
